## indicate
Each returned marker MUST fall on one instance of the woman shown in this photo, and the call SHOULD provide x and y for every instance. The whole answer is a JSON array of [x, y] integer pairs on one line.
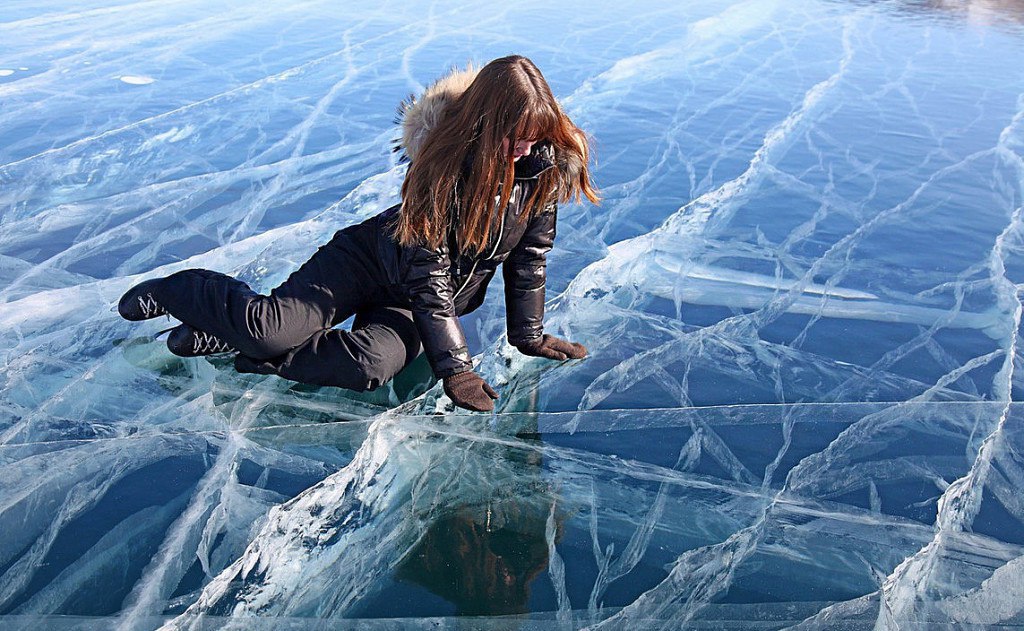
[[492, 154]]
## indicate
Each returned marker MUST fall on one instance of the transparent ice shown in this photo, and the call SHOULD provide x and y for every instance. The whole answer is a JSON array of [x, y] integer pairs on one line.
[[801, 295]]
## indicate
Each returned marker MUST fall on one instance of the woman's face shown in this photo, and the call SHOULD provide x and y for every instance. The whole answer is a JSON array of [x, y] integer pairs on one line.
[[522, 148]]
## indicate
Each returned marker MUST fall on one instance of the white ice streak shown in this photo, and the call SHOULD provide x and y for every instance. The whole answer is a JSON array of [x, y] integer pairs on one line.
[[611, 569], [999, 598], [38, 313], [630, 266], [662, 273], [74, 480], [908, 593], [351, 520], [187, 537], [556, 571], [702, 41], [699, 576]]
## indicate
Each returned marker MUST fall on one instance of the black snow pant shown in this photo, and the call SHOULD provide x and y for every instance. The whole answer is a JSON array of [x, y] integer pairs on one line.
[[288, 333]]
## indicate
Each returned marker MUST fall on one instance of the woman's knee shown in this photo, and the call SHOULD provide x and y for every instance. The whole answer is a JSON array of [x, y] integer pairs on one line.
[[275, 326], [374, 375], [178, 286], [348, 375], [361, 359], [263, 348], [360, 375]]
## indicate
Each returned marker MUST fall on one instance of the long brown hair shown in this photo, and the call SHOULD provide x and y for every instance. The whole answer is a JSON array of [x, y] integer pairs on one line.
[[509, 98]]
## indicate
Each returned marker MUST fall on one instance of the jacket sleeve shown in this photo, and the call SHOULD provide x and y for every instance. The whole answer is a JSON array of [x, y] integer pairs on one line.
[[433, 310], [525, 274]]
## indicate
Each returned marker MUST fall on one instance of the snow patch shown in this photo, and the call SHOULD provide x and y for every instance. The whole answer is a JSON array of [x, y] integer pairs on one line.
[[136, 79]]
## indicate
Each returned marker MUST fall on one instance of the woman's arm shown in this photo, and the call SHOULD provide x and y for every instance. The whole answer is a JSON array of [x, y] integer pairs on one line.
[[433, 309], [525, 274]]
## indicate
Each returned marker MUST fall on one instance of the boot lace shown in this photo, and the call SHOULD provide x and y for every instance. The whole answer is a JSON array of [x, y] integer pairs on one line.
[[149, 306], [206, 344]]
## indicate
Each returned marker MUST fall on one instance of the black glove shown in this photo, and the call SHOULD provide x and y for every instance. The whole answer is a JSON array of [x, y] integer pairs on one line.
[[468, 390], [552, 347]]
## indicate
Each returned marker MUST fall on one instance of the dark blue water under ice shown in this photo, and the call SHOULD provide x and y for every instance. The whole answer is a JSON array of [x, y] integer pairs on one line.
[[801, 296]]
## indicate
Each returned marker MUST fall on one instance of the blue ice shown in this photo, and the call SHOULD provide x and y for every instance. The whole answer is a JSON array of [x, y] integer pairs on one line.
[[801, 296]]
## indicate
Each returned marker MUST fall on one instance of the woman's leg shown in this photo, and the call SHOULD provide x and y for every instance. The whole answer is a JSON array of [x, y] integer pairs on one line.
[[383, 341], [260, 326], [326, 289]]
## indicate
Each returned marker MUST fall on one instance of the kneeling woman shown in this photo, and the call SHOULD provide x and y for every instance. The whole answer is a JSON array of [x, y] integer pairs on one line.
[[492, 154]]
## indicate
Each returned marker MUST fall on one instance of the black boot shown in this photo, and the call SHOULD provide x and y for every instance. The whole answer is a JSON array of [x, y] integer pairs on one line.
[[138, 302], [187, 341]]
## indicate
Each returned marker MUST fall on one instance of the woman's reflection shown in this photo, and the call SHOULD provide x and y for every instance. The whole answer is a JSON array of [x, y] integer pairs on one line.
[[483, 557]]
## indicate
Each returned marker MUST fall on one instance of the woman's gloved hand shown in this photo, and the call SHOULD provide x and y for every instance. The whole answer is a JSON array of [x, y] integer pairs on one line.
[[468, 390], [553, 348]]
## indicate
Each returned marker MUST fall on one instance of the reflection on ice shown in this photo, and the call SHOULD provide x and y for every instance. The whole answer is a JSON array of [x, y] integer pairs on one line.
[[444, 474], [801, 298]]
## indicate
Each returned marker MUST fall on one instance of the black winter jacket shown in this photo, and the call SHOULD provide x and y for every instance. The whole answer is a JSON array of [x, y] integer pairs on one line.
[[438, 285]]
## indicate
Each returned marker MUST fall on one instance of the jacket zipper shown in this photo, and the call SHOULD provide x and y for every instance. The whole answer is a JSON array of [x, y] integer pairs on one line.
[[501, 231]]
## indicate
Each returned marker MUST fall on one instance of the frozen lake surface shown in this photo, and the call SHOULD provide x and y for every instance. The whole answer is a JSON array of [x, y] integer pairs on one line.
[[801, 295]]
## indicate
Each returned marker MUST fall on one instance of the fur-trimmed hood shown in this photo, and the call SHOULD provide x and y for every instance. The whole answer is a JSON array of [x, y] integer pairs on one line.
[[417, 115]]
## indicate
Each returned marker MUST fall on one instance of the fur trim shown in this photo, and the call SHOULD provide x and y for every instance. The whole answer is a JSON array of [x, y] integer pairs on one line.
[[419, 115], [570, 165]]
